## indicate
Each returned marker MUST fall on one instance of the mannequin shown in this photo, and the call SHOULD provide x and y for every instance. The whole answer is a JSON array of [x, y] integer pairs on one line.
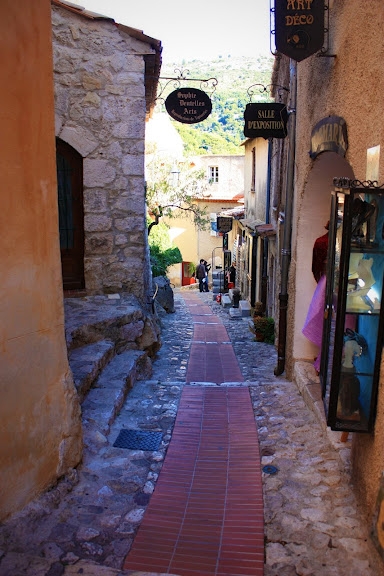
[[355, 345], [360, 269]]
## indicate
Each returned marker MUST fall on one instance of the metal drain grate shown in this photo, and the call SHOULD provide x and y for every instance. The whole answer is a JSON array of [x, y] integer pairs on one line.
[[138, 440]]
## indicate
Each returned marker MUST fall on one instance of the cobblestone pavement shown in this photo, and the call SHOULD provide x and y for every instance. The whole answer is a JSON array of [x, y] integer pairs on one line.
[[86, 524]]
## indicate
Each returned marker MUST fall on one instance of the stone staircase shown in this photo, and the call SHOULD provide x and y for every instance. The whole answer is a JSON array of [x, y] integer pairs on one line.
[[104, 337]]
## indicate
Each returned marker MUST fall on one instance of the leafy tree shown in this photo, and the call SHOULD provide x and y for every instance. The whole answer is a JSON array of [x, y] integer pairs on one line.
[[173, 190], [162, 253]]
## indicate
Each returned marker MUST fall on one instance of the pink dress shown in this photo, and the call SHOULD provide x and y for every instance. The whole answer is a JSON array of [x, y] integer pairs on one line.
[[313, 325]]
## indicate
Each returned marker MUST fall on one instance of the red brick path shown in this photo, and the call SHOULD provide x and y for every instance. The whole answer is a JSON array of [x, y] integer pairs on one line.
[[205, 516]]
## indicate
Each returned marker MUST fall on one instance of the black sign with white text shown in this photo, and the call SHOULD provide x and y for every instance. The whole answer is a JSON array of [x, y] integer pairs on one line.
[[188, 105], [265, 120]]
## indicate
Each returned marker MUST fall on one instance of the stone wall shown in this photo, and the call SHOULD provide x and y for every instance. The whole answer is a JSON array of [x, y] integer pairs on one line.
[[99, 74]]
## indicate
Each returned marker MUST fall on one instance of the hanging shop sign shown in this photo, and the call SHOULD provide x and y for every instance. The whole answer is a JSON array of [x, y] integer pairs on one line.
[[188, 105], [330, 134], [224, 224], [299, 27], [266, 120]]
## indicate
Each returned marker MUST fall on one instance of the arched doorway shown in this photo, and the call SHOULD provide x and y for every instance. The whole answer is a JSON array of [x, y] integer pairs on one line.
[[71, 214], [314, 215]]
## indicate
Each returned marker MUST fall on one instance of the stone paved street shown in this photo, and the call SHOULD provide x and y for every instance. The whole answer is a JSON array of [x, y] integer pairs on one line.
[[86, 524]]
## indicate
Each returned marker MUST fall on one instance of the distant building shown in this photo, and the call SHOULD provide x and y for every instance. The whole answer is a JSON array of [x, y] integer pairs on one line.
[[225, 190]]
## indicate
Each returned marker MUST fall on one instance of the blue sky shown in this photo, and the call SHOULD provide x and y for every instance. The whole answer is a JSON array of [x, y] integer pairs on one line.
[[195, 29]]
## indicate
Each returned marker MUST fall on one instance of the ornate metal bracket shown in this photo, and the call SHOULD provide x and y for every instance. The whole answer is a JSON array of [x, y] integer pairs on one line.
[[324, 51], [281, 90], [207, 85], [346, 183]]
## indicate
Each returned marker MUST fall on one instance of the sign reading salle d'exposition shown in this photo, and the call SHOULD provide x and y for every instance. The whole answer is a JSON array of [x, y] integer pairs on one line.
[[265, 120], [188, 105], [299, 27]]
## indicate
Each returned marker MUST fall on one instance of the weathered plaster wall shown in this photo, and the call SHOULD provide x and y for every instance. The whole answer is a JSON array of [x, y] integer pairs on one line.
[[100, 111], [40, 432], [255, 193], [351, 86]]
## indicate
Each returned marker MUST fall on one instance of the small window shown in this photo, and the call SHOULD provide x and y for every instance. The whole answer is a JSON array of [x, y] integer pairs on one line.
[[213, 174]]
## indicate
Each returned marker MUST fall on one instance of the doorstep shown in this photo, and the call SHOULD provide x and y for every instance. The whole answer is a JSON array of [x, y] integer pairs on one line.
[[308, 383]]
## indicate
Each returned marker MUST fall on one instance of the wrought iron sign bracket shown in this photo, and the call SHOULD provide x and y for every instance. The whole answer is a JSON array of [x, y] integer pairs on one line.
[[346, 183], [181, 76], [281, 90], [324, 51]]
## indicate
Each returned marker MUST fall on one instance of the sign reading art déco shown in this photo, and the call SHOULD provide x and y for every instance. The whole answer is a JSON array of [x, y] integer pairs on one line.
[[299, 27], [265, 120], [188, 105]]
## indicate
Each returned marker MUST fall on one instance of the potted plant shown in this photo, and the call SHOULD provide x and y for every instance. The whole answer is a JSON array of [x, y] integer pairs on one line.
[[192, 272], [264, 329]]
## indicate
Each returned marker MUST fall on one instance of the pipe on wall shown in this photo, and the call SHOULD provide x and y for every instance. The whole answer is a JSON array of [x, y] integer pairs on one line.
[[287, 233]]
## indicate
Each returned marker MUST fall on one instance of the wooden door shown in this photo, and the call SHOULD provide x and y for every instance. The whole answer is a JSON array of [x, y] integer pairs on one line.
[[71, 215]]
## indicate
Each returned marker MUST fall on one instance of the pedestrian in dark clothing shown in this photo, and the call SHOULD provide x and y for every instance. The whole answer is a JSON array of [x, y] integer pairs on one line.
[[207, 269], [201, 274]]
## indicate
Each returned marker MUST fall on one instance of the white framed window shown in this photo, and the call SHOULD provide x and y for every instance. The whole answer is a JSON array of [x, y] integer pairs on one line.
[[213, 173]]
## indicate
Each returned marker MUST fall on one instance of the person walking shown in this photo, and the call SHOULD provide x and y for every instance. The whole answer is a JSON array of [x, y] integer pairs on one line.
[[201, 274], [207, 269]]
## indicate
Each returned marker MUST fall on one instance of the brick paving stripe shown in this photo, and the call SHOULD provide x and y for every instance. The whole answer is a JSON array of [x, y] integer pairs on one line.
[[206, 515]]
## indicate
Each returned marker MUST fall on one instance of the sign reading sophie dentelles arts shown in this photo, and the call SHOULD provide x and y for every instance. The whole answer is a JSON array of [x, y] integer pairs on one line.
[[188, 105], [299, 27]]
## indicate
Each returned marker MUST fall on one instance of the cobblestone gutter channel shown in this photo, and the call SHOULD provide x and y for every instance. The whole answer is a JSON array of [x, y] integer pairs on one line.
[[86, 524]]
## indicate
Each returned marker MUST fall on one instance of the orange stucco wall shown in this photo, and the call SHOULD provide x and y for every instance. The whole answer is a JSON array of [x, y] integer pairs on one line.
[[39, 413]]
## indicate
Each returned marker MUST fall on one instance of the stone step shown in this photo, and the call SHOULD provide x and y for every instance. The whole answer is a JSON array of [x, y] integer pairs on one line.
[[225, 301], [245, 308], [104, 401], [87, 362]]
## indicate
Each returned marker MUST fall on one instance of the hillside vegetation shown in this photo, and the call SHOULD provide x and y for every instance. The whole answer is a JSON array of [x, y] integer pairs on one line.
[[222, 132]]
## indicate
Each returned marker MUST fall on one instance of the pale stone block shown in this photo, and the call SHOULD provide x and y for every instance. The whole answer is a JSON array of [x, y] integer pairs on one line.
[[91, 82], [130, 204], [97, 223], [114, 89], [113, 151], [99, 244], [117, 61], [121, 240], [64, 65], [130, 223], [127, 128], [95, 200], [133, 165], [130, 78], [92, 99], [97, 173], [80, 139]]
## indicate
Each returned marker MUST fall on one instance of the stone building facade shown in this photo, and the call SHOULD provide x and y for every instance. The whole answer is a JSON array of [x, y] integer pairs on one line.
[[105, 78]]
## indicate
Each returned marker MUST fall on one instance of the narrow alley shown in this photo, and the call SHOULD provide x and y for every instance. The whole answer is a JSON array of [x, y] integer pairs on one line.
[[212, 390]]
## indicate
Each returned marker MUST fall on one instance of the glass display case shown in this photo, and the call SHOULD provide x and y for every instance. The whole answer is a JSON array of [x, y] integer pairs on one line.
[[353, 316]]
